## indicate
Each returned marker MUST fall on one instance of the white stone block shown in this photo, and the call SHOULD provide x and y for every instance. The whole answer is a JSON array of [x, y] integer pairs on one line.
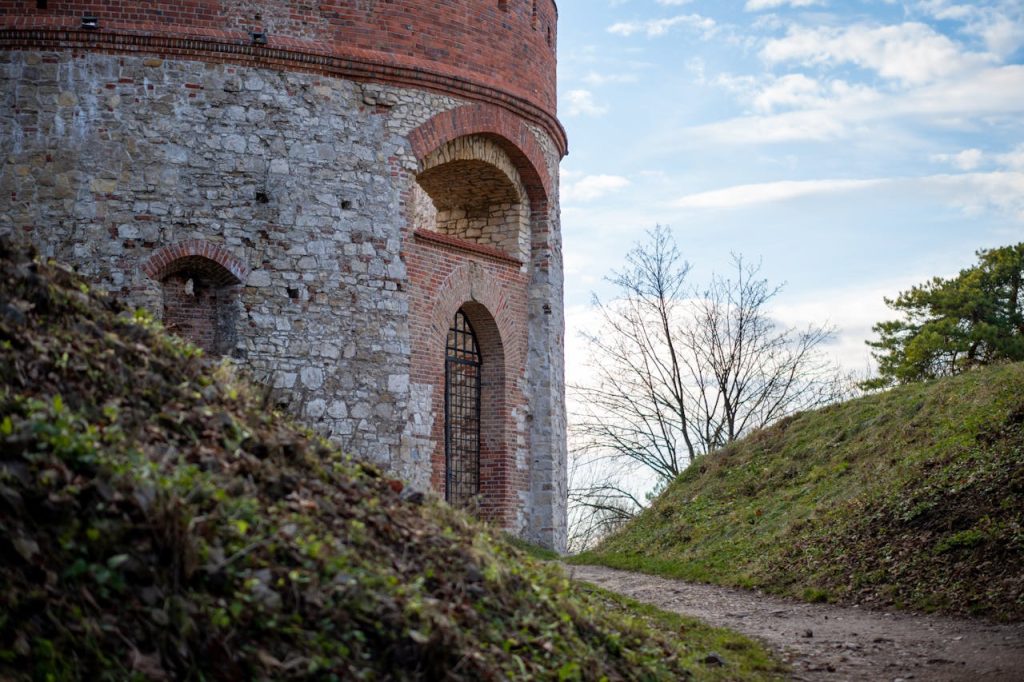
[[398, 383], [259, 279], [312, 377], [316, 408]]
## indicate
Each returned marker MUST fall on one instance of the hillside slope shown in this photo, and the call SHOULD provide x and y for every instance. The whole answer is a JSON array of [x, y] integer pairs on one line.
[[157, 522], [912, 498]]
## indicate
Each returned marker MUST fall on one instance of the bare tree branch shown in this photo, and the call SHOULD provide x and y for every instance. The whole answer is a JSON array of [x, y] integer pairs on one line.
[[679, 371]]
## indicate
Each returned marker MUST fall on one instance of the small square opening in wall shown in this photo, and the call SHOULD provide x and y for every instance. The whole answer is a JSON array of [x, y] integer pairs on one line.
[[40, 4], [346, 205]]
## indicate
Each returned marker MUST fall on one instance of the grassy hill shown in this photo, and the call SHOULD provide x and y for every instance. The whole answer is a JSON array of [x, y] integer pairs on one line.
[[912, 498], [158, 522]]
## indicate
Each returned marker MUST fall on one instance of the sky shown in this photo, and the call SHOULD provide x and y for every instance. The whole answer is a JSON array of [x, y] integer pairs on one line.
[[855, 147]]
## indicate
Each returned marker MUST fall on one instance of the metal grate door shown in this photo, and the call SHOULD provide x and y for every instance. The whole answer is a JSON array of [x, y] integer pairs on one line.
[[462, 413]]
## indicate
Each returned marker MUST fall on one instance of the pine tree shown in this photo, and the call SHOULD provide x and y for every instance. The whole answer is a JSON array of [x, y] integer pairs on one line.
[[952, 325]]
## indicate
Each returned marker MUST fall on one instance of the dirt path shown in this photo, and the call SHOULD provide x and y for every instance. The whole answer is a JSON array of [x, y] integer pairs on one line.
[[823, 642]]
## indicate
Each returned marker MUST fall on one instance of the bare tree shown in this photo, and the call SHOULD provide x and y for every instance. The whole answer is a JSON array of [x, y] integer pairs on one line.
[[599, 500], [677, 372]]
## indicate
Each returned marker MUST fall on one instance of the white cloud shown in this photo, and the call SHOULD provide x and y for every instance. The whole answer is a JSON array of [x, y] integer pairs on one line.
[[912, 53], [972, 193], [852, 311], [968, 159], [798, 91], [791, 126], [591, 187], [942, 9], [743, 86], [659, 27], [1002, 36], [838, 110], [756, 5], [674, 3], [986, 92], [977, 193], [1013, 159], [1000, 27], [747, 195], [581, 103], [792, 90], [597, 79]]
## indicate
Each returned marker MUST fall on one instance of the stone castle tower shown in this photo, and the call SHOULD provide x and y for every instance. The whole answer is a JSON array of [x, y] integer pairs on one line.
[[356, 199]]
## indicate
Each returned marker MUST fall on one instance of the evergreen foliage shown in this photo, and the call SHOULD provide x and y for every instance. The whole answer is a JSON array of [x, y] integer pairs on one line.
[[952, 325]]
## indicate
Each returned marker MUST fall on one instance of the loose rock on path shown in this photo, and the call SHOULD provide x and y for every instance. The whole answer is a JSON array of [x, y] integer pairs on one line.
[[825, 642]]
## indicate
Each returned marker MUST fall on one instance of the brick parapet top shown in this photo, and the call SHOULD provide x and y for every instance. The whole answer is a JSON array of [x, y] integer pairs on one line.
[[462, 47]]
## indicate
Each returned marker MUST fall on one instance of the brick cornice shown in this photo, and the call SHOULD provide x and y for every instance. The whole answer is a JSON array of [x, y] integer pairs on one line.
[[57, 33]]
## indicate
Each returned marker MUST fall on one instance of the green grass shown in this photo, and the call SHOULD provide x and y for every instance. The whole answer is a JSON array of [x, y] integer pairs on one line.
[[745, 659], [911, 498]]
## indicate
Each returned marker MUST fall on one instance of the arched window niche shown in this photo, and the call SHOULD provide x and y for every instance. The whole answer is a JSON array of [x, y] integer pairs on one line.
[[199, 287], [470, 189]]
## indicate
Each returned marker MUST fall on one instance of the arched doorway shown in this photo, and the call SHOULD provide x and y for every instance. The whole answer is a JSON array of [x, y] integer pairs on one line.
[[462, 414]]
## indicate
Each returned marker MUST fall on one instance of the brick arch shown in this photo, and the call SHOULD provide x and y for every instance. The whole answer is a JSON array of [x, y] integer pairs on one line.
[[469, 284], [220, 265], [475, 149], [494, 440], [506, 129], [199, 284]]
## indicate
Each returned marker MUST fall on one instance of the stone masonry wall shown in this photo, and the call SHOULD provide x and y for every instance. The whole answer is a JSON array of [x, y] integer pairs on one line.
[[106, 159], [549, 485], [307, 181]]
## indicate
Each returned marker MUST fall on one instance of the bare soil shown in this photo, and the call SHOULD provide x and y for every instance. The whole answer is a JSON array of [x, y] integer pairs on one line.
[[827, 642]]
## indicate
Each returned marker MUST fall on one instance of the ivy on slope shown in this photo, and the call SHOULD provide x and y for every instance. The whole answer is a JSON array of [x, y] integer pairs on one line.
[[157, 522]]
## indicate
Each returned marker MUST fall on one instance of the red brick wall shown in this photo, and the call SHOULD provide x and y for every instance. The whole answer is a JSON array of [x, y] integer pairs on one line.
[[445, 276], [498, 52], [192, 314], [492, 288]]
